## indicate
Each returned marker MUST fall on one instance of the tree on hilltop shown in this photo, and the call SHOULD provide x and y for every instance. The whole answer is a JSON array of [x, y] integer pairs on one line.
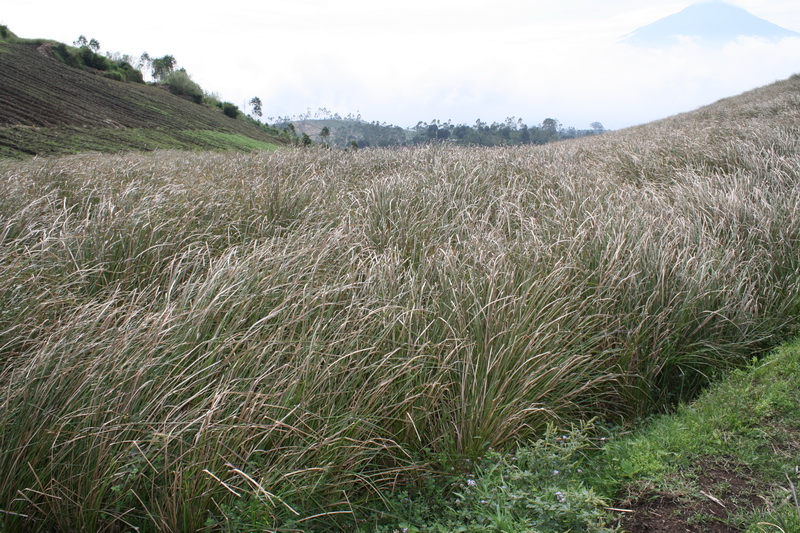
[[550, 125], [82, 42], [256, 103], [145, 62], [163, 66]]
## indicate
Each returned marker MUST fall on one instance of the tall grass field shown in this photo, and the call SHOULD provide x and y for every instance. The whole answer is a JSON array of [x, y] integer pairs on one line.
[[213, 341]]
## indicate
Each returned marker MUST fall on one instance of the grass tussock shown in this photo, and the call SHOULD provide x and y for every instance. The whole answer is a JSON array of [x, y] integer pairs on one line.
[[278, 339]]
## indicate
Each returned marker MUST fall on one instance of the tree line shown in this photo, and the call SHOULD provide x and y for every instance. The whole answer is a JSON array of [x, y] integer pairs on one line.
[[352, 131], [512, 131]]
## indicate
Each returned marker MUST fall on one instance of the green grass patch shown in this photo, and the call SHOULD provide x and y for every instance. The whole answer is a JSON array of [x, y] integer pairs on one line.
[[542, 486], [731, 457]]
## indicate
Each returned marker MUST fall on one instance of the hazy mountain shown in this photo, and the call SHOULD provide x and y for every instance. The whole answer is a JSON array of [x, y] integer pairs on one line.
[[711, 23]]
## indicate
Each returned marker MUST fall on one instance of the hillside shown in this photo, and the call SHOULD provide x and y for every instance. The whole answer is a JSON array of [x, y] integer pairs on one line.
[[47, 107], [370, 340]]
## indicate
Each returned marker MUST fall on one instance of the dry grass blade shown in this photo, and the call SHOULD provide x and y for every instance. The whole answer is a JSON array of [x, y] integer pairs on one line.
[[319, 320]]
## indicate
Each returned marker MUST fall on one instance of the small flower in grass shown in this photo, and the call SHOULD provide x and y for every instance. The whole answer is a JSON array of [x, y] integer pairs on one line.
[[555, 472], [561, 497], [471, 482]]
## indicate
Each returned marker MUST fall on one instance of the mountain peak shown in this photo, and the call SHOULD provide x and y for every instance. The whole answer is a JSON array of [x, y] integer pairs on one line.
[[713, 22]]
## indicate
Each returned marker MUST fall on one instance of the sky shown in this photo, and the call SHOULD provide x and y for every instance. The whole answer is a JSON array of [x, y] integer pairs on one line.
[[418, 60]]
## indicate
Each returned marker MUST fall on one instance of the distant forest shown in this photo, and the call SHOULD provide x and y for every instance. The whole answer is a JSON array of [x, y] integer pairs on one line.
[[511, 131], [352, 131]]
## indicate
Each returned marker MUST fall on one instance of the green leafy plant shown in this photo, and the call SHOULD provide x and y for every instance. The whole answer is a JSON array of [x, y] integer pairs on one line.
[[162, 66], [230, 109], [539, 487], [6, 34], [180, 83]]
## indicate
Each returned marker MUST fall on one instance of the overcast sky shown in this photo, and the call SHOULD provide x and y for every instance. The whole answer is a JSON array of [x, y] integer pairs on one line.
[[413, 60]]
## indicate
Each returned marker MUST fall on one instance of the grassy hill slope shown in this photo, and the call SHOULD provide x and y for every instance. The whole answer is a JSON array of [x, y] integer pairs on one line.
[[47, 107], [340, 340]]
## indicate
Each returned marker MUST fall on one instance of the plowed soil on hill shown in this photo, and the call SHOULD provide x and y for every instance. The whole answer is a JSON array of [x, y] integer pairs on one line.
[[37, 91]]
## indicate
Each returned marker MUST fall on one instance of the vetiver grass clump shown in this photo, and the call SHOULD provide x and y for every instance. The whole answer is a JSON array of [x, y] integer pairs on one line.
[[277, 340]]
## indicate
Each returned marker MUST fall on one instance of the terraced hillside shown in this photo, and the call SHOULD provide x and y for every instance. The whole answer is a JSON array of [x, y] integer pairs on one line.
[[47, 107]]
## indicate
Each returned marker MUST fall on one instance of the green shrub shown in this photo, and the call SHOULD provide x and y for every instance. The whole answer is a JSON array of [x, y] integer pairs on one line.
[[92, 60], [6, 34], [114, 75], [131, 73], [230, 109], [181, 84], [66, 56], [212, 100], [114, 67]]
